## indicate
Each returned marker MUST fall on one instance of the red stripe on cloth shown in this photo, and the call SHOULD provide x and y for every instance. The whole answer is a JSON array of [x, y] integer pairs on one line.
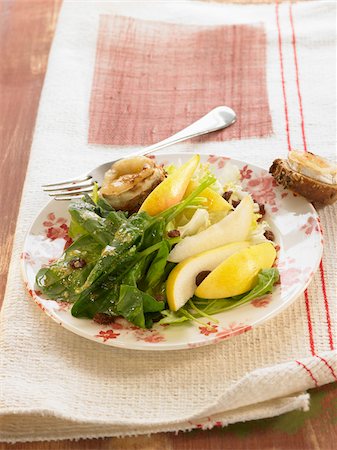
[[285, 103], [308, 371], [311, 335], [326, 305], [321, 267], [329, 367], [297, 76], [152, 79]]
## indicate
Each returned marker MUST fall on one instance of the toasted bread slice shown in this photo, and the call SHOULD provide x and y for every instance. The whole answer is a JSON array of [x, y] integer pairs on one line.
[[294, 173]]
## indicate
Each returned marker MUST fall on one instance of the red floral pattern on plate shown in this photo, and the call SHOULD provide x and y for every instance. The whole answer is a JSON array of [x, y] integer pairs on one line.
[[26, 256], [234, 329], [220, 161], [107, 334], [245, 173], [261, 302], [64, 306], [208, 329], [310, 226], [262, 189], [291, 274], [57, 228], [152, 336]]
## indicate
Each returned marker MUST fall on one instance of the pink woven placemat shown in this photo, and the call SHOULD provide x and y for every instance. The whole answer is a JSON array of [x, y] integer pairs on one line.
[[153, 78]]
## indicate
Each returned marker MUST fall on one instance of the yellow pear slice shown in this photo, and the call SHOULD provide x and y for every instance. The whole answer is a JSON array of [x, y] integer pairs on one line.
[[170, 191], [238, 273], [214, 201], [181, 283], [232, 228]]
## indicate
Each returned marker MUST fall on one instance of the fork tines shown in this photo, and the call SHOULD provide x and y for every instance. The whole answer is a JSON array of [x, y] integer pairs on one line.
[[70, 189]]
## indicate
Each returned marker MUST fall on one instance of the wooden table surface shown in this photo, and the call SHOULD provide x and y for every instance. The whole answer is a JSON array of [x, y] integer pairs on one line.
[[26, 32]]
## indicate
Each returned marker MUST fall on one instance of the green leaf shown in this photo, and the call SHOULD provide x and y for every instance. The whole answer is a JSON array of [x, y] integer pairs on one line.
[[136, 272], [133, 304], [265, 282], [120, 252], [84, 215], [171, 318], [114, 220], [76, 230], [94, 194], [157, 267], [153, 234], [61, 279], [104, 205], [101, 299], [150, 304]]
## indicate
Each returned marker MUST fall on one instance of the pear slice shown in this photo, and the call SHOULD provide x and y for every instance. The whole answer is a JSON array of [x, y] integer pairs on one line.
[[238, 273], [232, 228], [181, 283], [170, 191]]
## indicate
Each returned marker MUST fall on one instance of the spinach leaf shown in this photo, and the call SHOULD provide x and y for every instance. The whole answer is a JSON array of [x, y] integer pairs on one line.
[[62, 278], [104, 206], [88, 199], [157, 267], [114, 220], [135, 274], [101, 299], [84, 215], [133, 304], [121, 250], [112, 261], [76, 230], [153, 234]]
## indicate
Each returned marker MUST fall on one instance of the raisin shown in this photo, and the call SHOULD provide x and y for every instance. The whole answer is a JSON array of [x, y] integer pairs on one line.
[[173, 233], [77, 263], [236, 203], [269, 235], [156, 317], [262, 209], [227, 195], [103, 319], [201, 276]]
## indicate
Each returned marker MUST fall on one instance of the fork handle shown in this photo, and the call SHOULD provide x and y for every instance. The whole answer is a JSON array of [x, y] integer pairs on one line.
[[217, 119]]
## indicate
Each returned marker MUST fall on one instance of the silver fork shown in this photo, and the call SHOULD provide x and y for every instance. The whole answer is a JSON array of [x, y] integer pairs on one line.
[[216, 119]]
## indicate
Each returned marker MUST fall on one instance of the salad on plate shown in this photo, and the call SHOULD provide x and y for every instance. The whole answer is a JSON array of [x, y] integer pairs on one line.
[[163, 244]]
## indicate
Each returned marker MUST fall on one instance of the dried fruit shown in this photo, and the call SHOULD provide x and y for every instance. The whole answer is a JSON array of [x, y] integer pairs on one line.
[[77, 263], [201, 276]]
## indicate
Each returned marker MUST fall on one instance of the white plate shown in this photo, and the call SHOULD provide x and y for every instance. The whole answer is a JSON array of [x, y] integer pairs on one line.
[[294, 222]]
